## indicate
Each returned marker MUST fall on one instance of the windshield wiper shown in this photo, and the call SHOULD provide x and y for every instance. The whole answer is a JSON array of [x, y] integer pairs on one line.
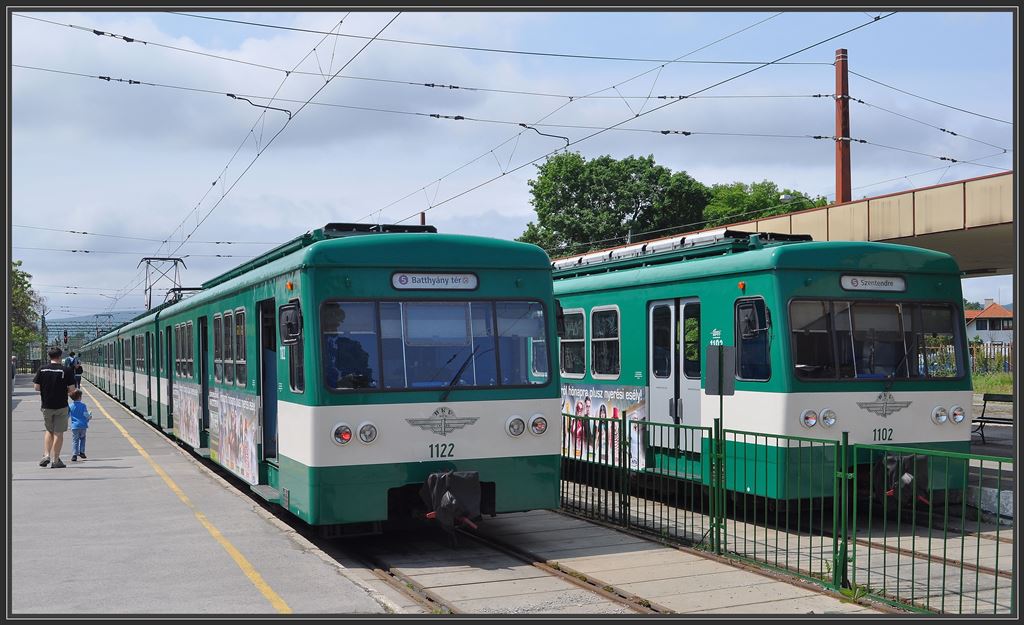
[[892, 375], [458, 373]]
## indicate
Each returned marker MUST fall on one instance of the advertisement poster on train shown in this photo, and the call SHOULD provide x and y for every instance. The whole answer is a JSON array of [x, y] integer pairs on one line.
[[233, 433], [599, 413], [186, 413]]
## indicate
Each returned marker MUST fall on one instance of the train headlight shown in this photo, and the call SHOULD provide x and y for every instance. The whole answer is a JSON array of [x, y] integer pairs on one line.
[[939, 414], [808, 418], [538, 424], [957, 414], [515, 426], [367, 433], [342, 434], [828, 417]]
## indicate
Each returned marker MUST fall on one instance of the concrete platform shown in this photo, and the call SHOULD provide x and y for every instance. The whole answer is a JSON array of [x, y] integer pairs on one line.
[[141, 528], [682, 580]]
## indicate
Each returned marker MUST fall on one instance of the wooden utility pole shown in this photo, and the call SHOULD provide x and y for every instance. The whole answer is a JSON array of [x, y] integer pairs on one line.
[[843, 190]]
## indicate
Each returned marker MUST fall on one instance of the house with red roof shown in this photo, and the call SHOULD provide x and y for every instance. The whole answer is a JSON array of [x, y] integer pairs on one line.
[[992, 324]]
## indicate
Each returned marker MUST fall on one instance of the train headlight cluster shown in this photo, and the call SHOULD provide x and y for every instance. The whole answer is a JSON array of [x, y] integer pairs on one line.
[[367, 433], [957, 414], [342, 434], [515, 426], [538, 424], [828, 417], [808, 418], [940, 414]]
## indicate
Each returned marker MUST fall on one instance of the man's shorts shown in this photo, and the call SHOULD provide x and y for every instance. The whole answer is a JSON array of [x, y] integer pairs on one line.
[[56, 419]]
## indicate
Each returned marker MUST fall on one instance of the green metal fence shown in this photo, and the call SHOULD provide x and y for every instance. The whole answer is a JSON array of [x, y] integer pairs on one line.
[[927, 530]]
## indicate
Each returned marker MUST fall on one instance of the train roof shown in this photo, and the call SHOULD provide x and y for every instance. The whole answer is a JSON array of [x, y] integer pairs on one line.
[[363, 245], [742, 252]]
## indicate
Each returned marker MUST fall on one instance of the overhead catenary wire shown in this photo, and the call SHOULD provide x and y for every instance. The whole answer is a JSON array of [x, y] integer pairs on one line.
[[949, 106], [121, 236], [482, 49], [658, 108], [291, 118], [76, 251], [449, 87], [939, 128], [517, 136]]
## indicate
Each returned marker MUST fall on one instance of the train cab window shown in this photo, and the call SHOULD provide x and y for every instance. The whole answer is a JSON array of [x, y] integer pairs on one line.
[[240, 372], [691, 340], [604, 342], [752, 330], [813, 353], [228, 347], [571, 346], [520, 324], [351, 359], [218, 350]]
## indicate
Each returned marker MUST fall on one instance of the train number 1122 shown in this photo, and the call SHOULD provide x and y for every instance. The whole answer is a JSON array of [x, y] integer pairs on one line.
[[442, 450], [882, 434]]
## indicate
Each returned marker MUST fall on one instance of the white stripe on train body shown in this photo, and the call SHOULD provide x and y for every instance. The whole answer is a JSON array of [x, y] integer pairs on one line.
[[779, 413], [305, 433]]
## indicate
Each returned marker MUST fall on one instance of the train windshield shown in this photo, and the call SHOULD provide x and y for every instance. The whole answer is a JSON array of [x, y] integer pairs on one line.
[[397, 345], [863, 340]]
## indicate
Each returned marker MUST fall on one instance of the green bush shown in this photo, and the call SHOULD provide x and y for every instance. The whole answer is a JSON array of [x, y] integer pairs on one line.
[[993, 383]]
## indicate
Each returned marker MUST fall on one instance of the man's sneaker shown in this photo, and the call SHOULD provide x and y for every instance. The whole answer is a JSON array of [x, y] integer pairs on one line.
[[74, 458], [82, 456], [58, 464], [45, 461]]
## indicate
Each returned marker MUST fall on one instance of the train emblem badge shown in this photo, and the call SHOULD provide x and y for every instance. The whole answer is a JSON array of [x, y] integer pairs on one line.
[[884, 405], [442, 422]]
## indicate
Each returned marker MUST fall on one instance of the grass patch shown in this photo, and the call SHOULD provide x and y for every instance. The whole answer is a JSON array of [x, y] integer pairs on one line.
[[993, 383]]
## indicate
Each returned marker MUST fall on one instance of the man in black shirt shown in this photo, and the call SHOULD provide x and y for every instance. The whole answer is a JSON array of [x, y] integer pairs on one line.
[[54, 382]]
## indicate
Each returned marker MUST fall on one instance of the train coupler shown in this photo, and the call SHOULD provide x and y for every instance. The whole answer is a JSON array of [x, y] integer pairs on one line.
[[452, 496]]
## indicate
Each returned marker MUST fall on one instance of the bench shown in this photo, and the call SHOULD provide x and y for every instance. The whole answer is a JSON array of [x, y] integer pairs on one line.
[[981, 420]]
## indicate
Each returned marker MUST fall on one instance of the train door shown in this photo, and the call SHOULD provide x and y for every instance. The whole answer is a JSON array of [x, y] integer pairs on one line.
[[169, 370], [149, 373], [268, 379], [204, 374], [673, 370], [135, 370]]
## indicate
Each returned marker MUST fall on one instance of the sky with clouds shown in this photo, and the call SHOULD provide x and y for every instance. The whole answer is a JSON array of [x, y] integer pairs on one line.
[[175, 156]]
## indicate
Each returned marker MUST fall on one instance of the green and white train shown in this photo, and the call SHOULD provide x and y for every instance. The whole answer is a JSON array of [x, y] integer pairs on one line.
[[829, 337], [338, 372]]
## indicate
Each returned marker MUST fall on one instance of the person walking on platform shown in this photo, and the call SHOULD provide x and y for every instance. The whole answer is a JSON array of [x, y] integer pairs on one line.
[[54, 382], [80, 417], [73, 363]]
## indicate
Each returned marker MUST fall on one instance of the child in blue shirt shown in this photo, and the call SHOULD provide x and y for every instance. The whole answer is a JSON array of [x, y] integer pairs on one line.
[[80, 416]]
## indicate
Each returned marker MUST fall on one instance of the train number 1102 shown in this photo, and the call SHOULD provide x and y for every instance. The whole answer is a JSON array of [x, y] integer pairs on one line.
[[882, 434]]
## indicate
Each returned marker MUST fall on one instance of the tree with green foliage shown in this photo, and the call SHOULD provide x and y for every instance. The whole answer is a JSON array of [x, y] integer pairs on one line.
[[972, 305], [738, 201], [23, 312], [583, 205]]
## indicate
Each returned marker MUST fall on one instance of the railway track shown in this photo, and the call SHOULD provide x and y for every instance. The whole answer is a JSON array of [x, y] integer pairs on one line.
[[478, 575]]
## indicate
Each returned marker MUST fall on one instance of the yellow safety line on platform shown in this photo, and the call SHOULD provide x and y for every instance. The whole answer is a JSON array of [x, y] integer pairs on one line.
[[247, 568]]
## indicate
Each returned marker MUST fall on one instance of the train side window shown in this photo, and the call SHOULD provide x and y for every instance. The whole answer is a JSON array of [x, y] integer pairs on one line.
[[289, 318], [752, 340], [691, 341], [661, 333], [605, 359], [229, 348], [218, 352], [571, 347], [189, 361], [240, 373]]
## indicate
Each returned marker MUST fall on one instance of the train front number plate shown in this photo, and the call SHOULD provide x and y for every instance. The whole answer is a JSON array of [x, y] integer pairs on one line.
[[442, 450]]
